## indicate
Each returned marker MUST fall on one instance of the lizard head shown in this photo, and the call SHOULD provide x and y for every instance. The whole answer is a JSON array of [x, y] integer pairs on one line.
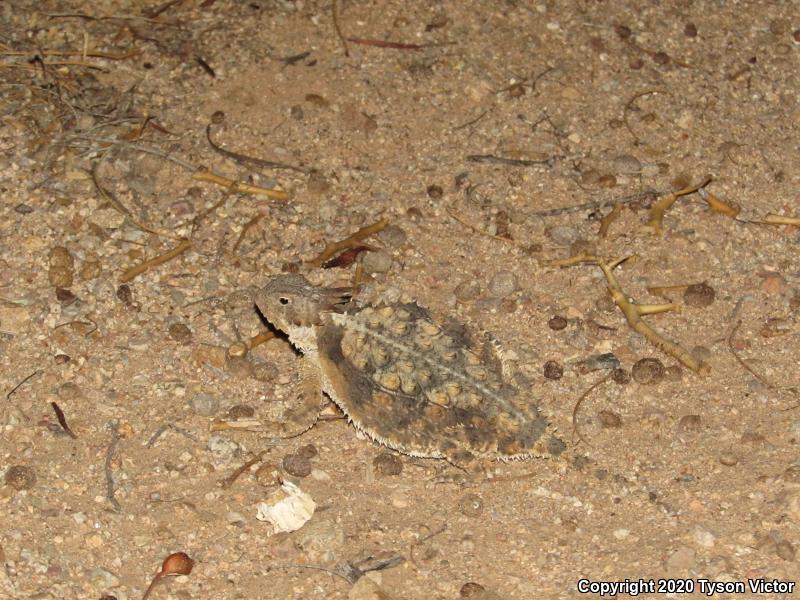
[[289, 301]]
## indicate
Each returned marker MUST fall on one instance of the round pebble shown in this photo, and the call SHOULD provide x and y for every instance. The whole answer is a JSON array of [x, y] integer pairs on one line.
[[626, 164], [701, 353], [387, 464], [563, 235], [376, 262], [309, 451], [690, 423], [180, 333], [673, 373], [620, 377], [204, 405], [240, 411], [609, 419], [393, 236], [690, 30], [470, 589], [582, 246], [648, 371], [297, 465], [607, 181], [467, 290], [785, 550], [61, 268], [69, 391], [502, 284], [699, 295], [20, 477], [557, 323], [729, 459], [435, 192], [264, 371], [470, 505], [65, 297], [553, 370]]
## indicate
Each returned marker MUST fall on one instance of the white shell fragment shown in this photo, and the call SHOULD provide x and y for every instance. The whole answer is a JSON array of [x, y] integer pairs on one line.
[[288, 509]]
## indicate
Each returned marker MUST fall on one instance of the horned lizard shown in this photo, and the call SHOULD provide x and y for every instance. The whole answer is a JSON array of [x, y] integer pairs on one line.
[[403, 380]]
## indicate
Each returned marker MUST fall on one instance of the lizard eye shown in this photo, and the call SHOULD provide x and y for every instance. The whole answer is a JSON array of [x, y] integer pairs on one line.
[[283, 301]]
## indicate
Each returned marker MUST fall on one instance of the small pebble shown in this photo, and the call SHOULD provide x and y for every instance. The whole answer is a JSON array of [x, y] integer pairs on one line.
[[180, 333], [69, 391], [61, 268], [125, 294], [240, 411], [470, 589], [609, 419], [599, 362], [20, 477], [690, 30], [626, 164], [681, 561], [378, 261], [701, 353], [582, 246], [502, 284], [729, 459], [470, 505], [553, 370], [23, 209], [297, 465], [620, 376], [607, 181], [785, 550], [238, 366], [563, 235], [699, 295], [264, 371], [393, 236], [648, 371], [673, 373], [467, 290], [204, 405], [387, 464], [690, 423], [435, 192], [557, 323], [309, 451], [65, 297]]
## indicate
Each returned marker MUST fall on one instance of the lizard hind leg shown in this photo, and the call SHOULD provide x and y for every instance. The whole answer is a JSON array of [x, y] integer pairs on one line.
[[304, 402]]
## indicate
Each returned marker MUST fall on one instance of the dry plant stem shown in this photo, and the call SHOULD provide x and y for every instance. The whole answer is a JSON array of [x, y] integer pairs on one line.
[[606, 221], [62, 420], [259, 339], [456, 218], [23, 382], [90, 54], [231, 479], [200, 173], [657, 211], [337, 27], [248, 160], [628, 106], [634, 312], [661, 290], [133, 272], [247, 226], [717, 205], [597, 204], [112, 448], [235, 186], [332, 248], [745, 366], [583, 397], [773, 219]]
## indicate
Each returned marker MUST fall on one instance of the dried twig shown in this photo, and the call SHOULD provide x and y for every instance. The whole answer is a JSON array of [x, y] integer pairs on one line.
[[110, 451], [583, 397], [248, 160], [633, 312], [655, 220], [739, 359], [774, 219], [247, 226], [512, 162], [133, 272], [607, 220], [231, 479], [337, 27], [23, 382], [62, 420], [332, 248]]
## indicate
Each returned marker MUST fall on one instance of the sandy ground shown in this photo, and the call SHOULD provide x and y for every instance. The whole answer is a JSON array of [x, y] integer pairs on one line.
[[476, 133]]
